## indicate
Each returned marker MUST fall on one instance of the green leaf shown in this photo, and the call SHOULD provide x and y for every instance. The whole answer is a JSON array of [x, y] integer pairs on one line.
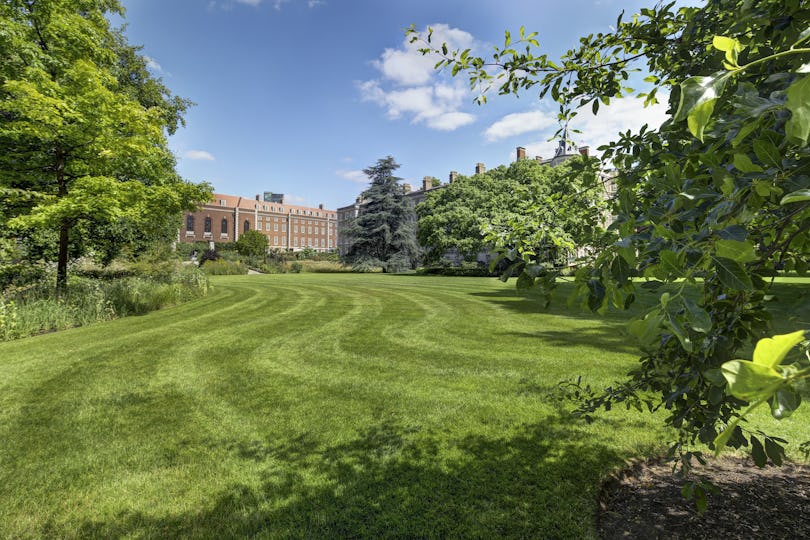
[[742, 252], [698, 95], [698, 317], [775, 451], [730, 46], [784, 402], [721, 440], [744, 164], [715, 376], [732, 275], [680, 332], [767, 152], [733, 232], [800, 195], [758, 453], [750, 381], [797, 128], [770, 352], [646, 330], [670, 263]]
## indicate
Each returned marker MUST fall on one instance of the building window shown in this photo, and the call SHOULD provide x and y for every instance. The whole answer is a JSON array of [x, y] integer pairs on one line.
[[189, 223], [267, 226], [295, 241], [222, 202], [283, 227], [246, 226], [224, 228], [295, 228], [208, 224], [275, 226], [275, 240]]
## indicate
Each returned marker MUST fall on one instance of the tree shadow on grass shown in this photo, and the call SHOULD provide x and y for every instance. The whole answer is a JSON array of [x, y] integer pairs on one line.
[[393, 481]]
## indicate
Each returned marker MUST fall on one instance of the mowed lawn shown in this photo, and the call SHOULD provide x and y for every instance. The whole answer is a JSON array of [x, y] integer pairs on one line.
[[322, 406]]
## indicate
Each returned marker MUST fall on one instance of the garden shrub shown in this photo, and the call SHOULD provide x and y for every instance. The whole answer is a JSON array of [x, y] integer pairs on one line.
[[222, 267], [26, 311]]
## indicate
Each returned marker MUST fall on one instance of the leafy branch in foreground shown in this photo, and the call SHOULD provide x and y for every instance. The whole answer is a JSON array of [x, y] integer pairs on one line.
[[716, 199]]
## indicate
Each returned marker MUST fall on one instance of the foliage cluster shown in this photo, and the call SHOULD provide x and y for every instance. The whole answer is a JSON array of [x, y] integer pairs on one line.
[[719, 195], [84, 161], [252, 244], [224, 267], [551, 210], [448, 268], [34, 309]]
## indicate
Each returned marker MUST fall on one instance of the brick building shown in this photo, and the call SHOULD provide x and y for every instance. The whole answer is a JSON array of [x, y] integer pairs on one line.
[[287, 226]]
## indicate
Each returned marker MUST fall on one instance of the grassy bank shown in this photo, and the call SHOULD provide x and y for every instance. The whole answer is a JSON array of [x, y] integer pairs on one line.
[[319, 405]]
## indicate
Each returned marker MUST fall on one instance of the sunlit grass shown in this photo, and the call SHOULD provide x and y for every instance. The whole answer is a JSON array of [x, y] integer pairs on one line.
[[318, 405]]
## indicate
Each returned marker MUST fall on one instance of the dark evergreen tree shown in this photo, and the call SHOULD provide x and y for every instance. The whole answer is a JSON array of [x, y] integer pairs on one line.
[[384, 232]]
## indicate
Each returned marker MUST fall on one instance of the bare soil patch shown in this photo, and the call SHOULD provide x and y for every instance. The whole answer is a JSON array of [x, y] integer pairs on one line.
[[645, 502]]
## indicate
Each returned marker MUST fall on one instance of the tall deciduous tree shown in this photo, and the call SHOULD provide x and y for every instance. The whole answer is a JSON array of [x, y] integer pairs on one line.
[[82, 125], [719, 196], [384, 232], [556, 209]]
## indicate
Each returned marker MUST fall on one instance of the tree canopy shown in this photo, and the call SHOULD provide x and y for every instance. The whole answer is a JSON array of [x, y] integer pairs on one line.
[[718, 196], [479, 212], [384, 232], [252, 243], [83, 128]]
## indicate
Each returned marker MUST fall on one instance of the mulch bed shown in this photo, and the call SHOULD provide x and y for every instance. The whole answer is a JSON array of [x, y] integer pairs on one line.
[[645, 501]]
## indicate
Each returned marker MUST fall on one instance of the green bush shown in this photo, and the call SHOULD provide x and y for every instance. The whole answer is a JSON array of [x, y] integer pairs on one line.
[[323, 266], [367, 264], [222, 267], [466, 269], [34, 310]]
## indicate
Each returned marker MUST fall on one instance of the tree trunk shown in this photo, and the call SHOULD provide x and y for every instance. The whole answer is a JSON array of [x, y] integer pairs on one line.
[[64, 227], [62, 260]]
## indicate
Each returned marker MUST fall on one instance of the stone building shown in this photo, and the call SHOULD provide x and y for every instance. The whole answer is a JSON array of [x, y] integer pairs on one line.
[[287, 226]]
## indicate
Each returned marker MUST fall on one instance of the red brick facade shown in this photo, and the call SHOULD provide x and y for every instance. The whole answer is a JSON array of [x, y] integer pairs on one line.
[[287, 227]]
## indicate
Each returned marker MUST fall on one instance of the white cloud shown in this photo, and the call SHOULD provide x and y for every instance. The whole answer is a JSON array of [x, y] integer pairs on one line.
[[620, 115], [435, 105], [201, 155], [410, 87], [406, 66], [152, 64], [356, 176], [250, 2], [518, 124], [450, 121]]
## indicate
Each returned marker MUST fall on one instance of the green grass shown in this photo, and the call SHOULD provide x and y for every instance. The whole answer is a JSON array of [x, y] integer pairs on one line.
[[320, 406]]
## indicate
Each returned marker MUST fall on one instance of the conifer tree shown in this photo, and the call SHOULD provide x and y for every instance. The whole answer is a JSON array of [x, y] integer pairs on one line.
[[384, 233]]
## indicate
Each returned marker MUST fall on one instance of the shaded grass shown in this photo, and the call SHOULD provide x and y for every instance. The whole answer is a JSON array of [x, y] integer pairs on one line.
[[316, 405]]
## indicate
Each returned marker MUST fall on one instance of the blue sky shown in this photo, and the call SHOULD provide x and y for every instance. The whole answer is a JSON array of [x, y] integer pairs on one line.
[[298, 96]]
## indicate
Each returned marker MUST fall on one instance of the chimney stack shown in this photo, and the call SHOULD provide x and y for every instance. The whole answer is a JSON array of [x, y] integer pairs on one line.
[[584, 150], [480, 168], [427, 183], [407, 187], [320, 206], [258, 197], [539, 159], [453, 176], [521, 153]]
